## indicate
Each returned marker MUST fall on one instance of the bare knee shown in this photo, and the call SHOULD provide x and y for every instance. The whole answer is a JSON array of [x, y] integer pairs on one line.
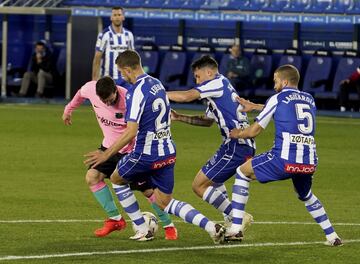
[[147, 193], [93, 177], [162, 199], [200, 184], [115, 178]]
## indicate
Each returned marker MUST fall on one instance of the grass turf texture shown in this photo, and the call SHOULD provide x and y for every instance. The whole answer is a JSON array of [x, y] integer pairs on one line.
[[42, 177]]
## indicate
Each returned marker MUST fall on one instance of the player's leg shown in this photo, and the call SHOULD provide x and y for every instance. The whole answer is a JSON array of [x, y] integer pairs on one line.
[[204, 188], [128, 201], [302, 184], [102, 193], [163, 180], [145, 186], [240, 196]]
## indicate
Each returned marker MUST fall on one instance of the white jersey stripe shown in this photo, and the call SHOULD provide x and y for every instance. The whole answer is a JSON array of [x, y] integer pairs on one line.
[[299, 153], [136, 107], [170, 146], [161, 151], [148, 140], [311, 154], [285, 146]]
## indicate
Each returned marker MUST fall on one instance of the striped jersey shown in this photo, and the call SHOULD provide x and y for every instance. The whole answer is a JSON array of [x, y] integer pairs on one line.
[[294, 117], [149, 106], [223, 107], [111, 44]]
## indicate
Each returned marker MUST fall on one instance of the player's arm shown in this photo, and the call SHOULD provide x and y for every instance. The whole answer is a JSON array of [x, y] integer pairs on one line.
[[249, 106], [196, 120], [184, 96], [96, 65], [71, 106], [249, 132], [95, 158]]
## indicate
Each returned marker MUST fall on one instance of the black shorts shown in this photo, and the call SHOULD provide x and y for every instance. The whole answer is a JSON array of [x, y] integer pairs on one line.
[[108, 167]]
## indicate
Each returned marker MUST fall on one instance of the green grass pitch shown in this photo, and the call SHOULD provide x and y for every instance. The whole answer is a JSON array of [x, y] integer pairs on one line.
[[42, 178]]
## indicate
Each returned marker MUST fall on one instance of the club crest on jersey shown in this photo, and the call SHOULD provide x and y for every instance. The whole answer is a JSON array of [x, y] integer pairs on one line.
[[119, 115]]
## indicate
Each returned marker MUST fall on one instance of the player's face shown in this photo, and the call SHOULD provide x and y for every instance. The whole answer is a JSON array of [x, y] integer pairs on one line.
[[117, 17], [111, 100], [202, 75], [126, 73], [279, 84]]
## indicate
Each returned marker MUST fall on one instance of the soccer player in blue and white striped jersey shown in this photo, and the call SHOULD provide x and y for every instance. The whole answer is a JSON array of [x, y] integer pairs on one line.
[[223, 109], [154, 154], [110, 43], [293, 155]]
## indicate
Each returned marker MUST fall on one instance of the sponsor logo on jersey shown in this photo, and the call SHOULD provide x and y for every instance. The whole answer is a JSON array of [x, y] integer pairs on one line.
[[300, 168], [302, 139], [161, 164], [107, 122], [164, 133]]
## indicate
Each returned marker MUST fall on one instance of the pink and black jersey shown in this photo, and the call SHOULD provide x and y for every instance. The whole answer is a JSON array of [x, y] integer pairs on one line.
[[111, 118]]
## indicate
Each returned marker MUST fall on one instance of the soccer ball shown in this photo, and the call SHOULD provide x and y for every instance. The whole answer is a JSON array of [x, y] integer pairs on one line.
[[151, 221]]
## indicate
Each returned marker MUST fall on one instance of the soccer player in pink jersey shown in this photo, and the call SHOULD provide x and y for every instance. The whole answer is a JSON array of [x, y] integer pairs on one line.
[[108, 102]]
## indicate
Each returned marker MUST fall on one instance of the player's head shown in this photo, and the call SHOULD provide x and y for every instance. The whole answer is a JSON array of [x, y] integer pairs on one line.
[[129, 64], [235, 50], [204, 69], [117, 16], [286, 76], [40, 46], [106, 90]]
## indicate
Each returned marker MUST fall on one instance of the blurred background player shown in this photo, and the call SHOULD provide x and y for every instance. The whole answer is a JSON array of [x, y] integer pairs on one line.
[[223, 109], [108, 102], [110, 43], [238, 69], [351, 84], [154, 155], [42, 67], [293, 155]]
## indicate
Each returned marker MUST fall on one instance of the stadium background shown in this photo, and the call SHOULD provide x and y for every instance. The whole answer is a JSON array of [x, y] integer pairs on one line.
[[46, 209]]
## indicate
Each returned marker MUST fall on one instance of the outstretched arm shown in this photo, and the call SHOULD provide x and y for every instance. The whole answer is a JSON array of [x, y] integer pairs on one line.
[[249, 106], [94, 158], [195, 120], [71, 106], [184, 96], [249, 132]]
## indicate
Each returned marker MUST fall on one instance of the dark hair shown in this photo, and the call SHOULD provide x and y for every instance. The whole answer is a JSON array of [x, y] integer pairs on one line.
[[40, 43], [105, 86], [128, 58], [290, 73], [204, 61], [117, 8]]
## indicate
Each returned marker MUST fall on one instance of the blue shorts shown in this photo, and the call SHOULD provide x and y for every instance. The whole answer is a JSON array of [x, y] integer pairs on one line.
[[135, 167], [268, 167], [224, 163]]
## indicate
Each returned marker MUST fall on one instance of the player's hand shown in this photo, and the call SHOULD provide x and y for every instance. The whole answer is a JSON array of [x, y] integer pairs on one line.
[[246, 104], [235, 133], [174, 115], [67, 119], [95, 158]]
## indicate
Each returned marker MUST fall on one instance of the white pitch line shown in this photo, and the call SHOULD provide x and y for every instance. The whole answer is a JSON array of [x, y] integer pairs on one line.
[[176, 221], [169, 249]]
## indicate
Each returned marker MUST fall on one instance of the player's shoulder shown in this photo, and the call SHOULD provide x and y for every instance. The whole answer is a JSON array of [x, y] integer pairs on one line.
[[121, 90], [91, 85]]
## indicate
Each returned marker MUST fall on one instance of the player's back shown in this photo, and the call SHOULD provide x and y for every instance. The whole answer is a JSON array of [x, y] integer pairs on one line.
[[295, 126], [223, 107], [150, 108]]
